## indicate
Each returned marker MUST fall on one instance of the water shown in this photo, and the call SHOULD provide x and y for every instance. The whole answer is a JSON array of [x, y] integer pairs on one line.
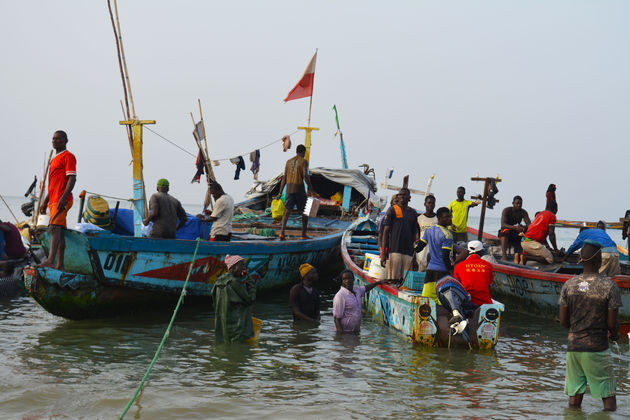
[[52, 367]]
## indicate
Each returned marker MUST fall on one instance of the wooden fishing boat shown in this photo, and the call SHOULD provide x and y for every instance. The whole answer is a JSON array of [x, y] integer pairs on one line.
[[106, 273], [538, 288], [403, 308]]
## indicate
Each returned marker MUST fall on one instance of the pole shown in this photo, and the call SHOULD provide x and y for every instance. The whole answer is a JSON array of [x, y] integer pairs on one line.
[[41, 190], [139, 208], [124, 62], [483, 209], [307, 140]]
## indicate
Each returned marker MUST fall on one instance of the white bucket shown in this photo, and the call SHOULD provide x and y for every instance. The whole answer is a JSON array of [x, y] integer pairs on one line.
[[43, 220], [376, 270], [312, 206]]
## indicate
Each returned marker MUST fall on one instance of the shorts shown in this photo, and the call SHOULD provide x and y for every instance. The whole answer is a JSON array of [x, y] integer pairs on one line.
[[428, 290], [397, 265], [536, 249], [58, 218], [592, 368], [432, 276], [297, 200]]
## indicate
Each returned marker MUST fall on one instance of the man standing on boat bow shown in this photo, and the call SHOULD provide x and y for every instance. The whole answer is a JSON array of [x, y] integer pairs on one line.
[[295, 175], [399, 235], [62, 176], [164, 212]]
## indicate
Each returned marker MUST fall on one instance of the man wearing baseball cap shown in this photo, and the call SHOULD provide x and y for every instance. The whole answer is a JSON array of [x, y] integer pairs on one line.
[[475, 275]]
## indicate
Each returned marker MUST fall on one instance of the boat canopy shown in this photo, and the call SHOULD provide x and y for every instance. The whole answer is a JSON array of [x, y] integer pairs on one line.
[[324, 180]]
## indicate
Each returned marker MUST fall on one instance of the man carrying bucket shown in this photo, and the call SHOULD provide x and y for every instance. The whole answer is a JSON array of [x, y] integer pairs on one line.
[[233, 295], [295, 175]]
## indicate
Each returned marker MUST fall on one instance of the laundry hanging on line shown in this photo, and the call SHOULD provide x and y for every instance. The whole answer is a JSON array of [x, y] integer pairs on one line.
[[254, 158], [240, 165], [286, 143], [201, 166]]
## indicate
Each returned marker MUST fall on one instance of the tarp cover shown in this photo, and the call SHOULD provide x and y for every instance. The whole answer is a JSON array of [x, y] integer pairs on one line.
[[354, 178]]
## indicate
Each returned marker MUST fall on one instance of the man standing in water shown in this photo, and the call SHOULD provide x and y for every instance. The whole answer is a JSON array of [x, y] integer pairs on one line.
[[62, 176], [511, 226], [589, 308], [399, 235], [295, 175], [304, 297], [165, 210], [347, 303], [233, 295], [459, 210]]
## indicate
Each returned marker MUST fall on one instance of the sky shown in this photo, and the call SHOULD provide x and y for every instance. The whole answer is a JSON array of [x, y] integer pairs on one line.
[[536, 92]]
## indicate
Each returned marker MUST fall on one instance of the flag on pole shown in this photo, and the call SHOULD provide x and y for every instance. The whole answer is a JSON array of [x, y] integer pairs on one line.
[[304, 87]]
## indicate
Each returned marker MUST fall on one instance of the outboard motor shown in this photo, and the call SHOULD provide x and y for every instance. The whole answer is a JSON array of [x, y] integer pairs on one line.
[[454, 297]]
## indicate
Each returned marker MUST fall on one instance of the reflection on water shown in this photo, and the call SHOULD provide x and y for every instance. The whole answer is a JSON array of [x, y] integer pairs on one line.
[[53, 367]]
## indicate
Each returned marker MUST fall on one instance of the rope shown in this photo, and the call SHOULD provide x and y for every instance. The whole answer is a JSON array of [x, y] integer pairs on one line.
[[166, 333], [218, 160], [112, 197]]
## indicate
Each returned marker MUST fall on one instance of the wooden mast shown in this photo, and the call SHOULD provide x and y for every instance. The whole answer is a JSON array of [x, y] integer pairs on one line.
[[484, 201]]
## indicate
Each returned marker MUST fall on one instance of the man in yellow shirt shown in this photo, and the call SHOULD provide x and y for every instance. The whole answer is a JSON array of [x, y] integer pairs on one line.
[[459, 209]]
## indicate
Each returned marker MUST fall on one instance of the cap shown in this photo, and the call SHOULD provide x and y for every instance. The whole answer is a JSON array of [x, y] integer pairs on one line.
[[475, 246], [162, 182]]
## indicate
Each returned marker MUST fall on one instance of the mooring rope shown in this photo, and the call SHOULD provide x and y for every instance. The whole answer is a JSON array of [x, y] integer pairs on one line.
[[166, 333]]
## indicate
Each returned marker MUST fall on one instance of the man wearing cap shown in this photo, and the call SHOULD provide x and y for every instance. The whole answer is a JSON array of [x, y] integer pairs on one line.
[[164, 212], [221, 216], [62, 175], [475, 274], [233, 295], [304, 298], [589, 308], [610, 255]]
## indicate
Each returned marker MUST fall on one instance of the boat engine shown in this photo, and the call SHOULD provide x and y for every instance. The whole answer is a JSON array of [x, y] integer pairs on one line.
[[454, 297]]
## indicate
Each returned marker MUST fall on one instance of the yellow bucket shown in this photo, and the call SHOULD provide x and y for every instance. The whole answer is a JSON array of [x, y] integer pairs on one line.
[[257, 325]]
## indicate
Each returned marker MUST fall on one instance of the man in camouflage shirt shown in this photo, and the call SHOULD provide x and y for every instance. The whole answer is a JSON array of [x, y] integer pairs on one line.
[[589, 308]]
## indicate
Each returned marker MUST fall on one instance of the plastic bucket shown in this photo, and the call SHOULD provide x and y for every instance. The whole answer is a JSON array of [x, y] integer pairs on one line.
[[43, 220], [376, 270]]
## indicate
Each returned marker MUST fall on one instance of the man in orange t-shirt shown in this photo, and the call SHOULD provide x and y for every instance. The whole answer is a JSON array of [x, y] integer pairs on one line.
[[475, 275], [62, 176]]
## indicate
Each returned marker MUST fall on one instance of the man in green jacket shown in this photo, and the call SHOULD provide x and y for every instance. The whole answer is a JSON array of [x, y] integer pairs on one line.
[[233, 295]]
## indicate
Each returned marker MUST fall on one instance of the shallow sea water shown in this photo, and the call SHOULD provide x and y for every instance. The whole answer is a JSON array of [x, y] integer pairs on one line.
[[55, 368]]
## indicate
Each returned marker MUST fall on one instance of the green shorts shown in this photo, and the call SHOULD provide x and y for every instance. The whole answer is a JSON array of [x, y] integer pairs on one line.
[[594, 368]]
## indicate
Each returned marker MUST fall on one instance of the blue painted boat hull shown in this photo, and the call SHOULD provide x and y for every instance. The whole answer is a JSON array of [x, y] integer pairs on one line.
[[106, 274]]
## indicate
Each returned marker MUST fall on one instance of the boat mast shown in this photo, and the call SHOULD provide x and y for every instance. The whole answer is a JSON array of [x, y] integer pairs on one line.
[[134, 128], [308, 128]]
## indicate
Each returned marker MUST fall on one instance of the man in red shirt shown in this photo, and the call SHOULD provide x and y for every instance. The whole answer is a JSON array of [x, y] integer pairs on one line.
[[475, 275], [535, 241], [62, 176]]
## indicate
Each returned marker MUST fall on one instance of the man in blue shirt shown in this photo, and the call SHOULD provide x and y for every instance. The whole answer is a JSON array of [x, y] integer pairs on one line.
[[610, 255], [440, 242]]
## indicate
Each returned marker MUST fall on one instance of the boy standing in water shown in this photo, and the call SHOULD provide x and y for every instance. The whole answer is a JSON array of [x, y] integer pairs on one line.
[[589, 308]]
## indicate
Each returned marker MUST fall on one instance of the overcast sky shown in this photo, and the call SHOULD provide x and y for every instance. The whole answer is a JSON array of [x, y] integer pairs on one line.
[[533, 91]]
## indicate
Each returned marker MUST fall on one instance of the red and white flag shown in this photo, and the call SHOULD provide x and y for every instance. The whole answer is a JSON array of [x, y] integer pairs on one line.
[[304, 87]]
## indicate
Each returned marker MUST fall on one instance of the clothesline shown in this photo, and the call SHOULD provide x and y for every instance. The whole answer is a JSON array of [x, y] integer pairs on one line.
[[218, 160]]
